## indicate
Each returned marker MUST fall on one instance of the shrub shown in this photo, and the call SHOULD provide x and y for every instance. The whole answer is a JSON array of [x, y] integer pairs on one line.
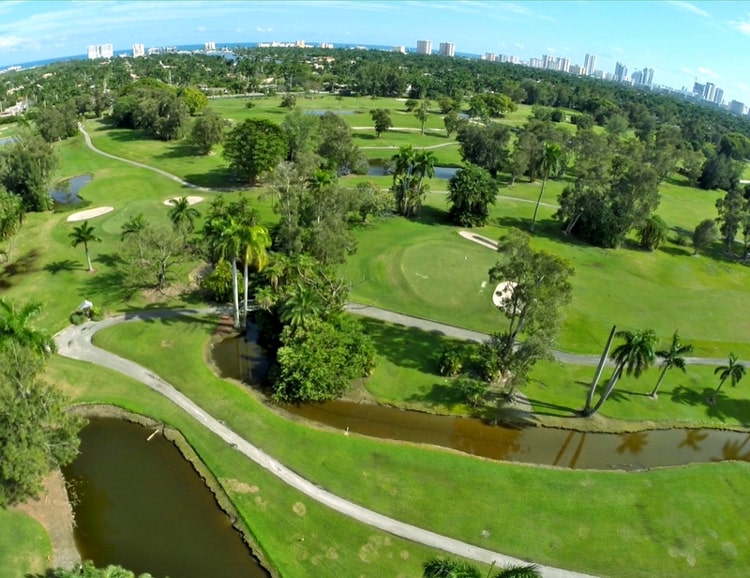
[[451, 360], [77, 318]]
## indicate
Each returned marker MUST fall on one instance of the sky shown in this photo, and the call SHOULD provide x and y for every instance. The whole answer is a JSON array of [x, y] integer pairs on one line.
[[682, 41]]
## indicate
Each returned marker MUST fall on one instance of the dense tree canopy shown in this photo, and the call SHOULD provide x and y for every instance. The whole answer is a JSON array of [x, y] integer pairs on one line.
[[254, 147]]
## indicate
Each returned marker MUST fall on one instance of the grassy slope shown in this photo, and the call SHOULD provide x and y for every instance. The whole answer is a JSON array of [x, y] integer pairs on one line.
[[670, 522], [25, 548]]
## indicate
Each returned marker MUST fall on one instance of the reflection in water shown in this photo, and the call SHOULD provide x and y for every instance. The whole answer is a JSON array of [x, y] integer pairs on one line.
[[141, 505], [533, 445], [633, 442]]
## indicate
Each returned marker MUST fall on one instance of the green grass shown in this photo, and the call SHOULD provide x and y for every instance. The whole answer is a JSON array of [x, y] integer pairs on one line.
[[679, 521], [24, 545], [301, 544]]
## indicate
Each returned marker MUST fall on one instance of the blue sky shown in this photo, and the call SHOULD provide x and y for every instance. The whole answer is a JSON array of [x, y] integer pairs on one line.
[[682, 41]]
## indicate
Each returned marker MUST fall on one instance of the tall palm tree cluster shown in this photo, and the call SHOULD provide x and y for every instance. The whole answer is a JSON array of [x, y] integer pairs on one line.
[[233, 233], [638, 352], [411, 168]]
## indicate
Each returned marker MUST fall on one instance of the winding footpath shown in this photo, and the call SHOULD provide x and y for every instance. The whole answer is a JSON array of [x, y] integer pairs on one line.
[[75, 342]]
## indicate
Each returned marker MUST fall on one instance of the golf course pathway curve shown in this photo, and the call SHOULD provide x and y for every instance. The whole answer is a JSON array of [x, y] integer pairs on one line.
[[75, 342]]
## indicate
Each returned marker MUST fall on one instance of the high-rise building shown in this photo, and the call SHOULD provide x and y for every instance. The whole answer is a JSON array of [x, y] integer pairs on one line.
[[326, 45], [563, 64], [621, 72], [95, 51], [401, 49], [535, 63], [637, 77], [491, 57], [210, 45], [647, 77], [138, 50], [447, 49], [589, 64], [718, 96], [737, 107], [708, 91], [424, 46]]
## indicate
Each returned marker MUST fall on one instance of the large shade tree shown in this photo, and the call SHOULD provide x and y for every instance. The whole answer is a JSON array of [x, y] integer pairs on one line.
[[471, 191], [254, 147]]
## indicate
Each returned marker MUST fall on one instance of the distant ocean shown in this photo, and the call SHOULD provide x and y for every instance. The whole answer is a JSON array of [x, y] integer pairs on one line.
[[192, 47]]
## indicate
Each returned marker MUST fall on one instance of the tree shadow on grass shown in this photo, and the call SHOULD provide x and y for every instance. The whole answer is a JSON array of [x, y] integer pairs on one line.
[[217, 178], [63, 265], [723, 407], [445, 394], [430, 215], [169, 315], [108, 259], [110, 286], [676, 251], [406, 346], [178, 150], [23, 265]]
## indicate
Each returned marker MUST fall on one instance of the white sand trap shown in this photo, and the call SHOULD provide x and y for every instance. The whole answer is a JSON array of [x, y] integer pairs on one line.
[[191, 200], [482, 240], [502, 292], [90, 214]]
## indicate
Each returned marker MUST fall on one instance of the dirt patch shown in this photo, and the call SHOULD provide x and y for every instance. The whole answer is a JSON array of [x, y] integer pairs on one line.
[[53, 511], [239, 487], [299, 509]]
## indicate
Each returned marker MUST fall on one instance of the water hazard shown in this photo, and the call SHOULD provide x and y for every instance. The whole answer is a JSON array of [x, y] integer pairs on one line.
[[140, 505], [66, 192], [533, 445]]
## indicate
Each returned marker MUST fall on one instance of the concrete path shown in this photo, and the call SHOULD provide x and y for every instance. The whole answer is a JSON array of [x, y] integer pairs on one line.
[[75, 342]]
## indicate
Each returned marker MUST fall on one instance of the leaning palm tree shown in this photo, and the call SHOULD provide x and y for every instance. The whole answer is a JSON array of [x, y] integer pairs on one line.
[[15, 327], [632, 357], [183, 215], [734, 371], [84, 234], [550, 165], [672, 357]]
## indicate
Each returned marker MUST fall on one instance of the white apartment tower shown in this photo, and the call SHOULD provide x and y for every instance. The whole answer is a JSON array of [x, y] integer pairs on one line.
[[589, 64], [95, 51], [424, 47], [210, 45], [138, 50], [447, 49]]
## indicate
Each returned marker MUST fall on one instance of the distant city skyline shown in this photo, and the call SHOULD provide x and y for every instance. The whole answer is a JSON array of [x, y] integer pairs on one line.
[[670, 37]]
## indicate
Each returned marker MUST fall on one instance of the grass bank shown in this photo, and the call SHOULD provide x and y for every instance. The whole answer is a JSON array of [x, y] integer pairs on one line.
[[25, 548], [666, 522]]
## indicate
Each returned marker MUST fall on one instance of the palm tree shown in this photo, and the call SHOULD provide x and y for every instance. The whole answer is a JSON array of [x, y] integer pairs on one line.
[[255, 243], [672, 357], [14, 327], [734, 371], [133, 225], [84, 234], [550, 165], [302, 306], [183, 215], [447, 568], [632, 357], [422, 112], [229, 246]]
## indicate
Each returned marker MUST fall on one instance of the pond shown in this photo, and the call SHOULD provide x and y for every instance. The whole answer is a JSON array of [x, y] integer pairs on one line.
[[7, 140], [141, 505], [532, 445], [66, 192], [379, 170]]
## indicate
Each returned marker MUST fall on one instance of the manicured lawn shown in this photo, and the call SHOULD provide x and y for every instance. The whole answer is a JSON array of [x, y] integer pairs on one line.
[[680, 521], [296, 534], [24, 545]]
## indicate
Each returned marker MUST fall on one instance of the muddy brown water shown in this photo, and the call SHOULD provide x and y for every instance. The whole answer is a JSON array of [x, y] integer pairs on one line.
[[237, 358], [139, 504]]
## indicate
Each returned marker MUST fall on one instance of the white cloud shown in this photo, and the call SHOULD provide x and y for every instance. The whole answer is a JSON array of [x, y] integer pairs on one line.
[[688, 7], [687, 70], [519, 45], [707, 72], [264, 29], [743, 87], [741, 26], [11, 42], [552, 50], [201, 28]]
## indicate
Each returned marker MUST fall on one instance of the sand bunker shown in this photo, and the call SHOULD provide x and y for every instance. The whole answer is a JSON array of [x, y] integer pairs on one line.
[[482, 240], [89, 214], [502, 293], [190, 200]]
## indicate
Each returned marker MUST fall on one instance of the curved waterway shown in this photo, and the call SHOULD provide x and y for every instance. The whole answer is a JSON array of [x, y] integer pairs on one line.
[[236, 358], [141, 505]]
